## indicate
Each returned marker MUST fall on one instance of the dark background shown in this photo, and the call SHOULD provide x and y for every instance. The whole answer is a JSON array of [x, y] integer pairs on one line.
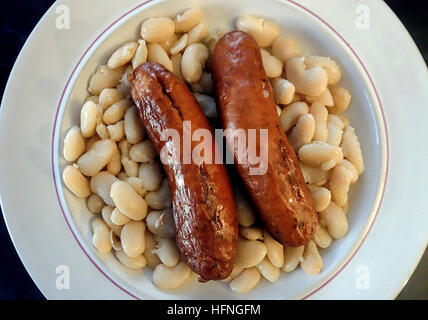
[[18, 19]]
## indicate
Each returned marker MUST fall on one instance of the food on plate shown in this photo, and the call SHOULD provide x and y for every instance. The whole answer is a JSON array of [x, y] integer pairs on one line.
[[206, 228], [280, 195], [112, 163]]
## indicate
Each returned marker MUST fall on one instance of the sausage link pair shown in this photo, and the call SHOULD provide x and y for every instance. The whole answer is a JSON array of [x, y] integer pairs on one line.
[[202, 198], [245, 101]]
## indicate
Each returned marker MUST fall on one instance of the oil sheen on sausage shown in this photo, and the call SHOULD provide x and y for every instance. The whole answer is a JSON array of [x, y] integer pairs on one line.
[[202, 197], [245, 102]]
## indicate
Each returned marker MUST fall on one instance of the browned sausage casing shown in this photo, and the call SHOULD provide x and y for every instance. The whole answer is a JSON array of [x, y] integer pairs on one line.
[[245, 101], [203, 205]]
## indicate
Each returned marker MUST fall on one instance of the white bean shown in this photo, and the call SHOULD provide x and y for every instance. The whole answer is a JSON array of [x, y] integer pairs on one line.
[[167, 44], [137, 262], [283, 91], [354, 172], [263, 31], [268, 270], [176, 65], [132, 238], [314, 175], [157, 29], [250, 253], [329, 65], [102, 131], [143, 152], [325, 98], [345, 121], [207, 104], [197, 34], [124, 86], [165, 277], [321, 196], [352, 149], [134, 130], [187, 20], [246, 215], [151, 257], [130, 166], [140, 56], [101, 184], [97, 157], [88, 119], [128, 201], [345, 208], [251, 233], [95, 203], [119, 218], [339, 183], [151, 175], [108, 97], [124, 147], [90, 142], [318, 153], [297, 98], [275, 250], [74, 144], [285, 48], [115, 164], [179, 46], [342, 98], [303, 132], [193, 61], [310, 82], [236, 271], [312, 261], [137, 184], [335, 220], [156, 53], [161, 198], [271, 64], [101, 236], [291, 114], [122, 55], [116, 111], [122, 176], [116, 131], [167, 251], [211, 41], [320, 114], [103, 78], [94, 99], [161, 223], [76, 182], [292, 257], [335, 128], [246, 281], [115, 241], [124, 89], [106, 214], [322, 238]]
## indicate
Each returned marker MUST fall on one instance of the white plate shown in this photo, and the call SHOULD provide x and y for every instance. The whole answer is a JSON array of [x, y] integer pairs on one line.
[[386, 75]]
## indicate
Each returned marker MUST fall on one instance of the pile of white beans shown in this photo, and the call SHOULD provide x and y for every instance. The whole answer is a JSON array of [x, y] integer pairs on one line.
[[116, 169]]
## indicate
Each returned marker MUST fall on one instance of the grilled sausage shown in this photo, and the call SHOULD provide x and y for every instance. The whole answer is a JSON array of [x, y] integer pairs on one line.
[[203, 206], [245, 102]]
